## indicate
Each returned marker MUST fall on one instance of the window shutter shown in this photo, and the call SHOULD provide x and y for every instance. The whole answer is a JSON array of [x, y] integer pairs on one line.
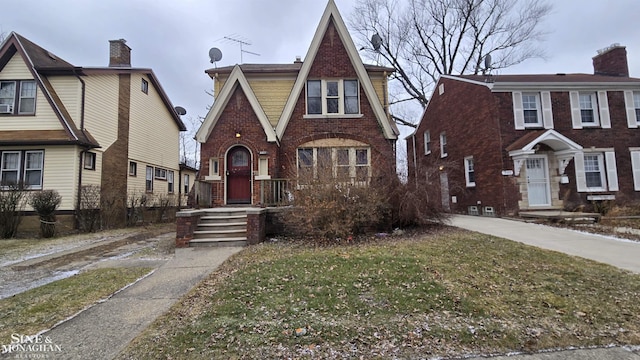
[[576, 118], [635, 166], [612, 172], [581, 180], [603, 104], [547, 112], [632, 121], [518, 112]]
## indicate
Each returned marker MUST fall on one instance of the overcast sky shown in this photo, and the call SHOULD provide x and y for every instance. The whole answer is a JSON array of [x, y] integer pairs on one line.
[[174, 37]]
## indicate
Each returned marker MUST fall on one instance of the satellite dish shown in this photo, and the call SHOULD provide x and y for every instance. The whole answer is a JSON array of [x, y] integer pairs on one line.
[[215, 54], [376, 41], [180, 110], [487, 61]]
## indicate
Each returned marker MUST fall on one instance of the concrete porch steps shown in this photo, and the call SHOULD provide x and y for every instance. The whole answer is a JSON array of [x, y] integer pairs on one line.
[[221, 227]]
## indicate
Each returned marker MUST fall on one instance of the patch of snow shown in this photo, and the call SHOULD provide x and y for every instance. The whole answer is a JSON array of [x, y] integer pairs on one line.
[[20, 288]]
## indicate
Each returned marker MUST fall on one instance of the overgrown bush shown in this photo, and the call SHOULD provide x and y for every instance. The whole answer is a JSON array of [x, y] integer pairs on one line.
[[163, 204], [335, 210], [138, 204], [12, 201], [45, 203], [88, 215]]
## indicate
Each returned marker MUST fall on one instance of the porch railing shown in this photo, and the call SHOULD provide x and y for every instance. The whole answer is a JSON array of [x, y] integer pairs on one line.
[[275, 192]]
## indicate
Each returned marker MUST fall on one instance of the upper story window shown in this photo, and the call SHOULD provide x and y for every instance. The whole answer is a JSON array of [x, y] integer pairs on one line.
[[333, 97], [588, 109], [636, 103], [531, 109], [18, 97], [144, 86], [427, 142], [632, 104], [443, 145], [22, 168]]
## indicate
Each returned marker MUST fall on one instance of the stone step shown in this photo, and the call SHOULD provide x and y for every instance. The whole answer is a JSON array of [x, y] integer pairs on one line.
[[210, 242]]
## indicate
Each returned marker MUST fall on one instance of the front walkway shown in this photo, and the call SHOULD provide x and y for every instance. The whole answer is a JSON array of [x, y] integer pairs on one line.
[[624, 254]]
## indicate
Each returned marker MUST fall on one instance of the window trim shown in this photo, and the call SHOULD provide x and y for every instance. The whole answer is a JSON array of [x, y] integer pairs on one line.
[[170, 182], [538, 110], [21, 170], [632, 107], [91, 165], [144, 86], [16, 100], [133, 168], [469, 168], [609, 172], [342, 99], [443, 145], [186, 184], [593, 99], [149, 175], [427, 142], [160, 173], [352, 167]]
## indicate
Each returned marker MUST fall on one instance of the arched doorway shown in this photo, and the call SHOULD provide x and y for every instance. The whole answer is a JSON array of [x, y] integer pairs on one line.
[[238, 176]]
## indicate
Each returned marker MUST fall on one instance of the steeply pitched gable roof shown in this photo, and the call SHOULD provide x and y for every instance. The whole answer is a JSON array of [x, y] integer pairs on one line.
[[42, 62], [236, 78], [35, 58], [331, 14]]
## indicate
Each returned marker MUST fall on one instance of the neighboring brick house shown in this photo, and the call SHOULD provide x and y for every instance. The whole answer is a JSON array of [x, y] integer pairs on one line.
[[64, 127], [501, 144], [272, 121]]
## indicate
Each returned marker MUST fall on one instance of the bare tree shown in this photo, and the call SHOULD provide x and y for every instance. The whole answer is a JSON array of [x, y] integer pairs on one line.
[[189, 151], [423, 39]]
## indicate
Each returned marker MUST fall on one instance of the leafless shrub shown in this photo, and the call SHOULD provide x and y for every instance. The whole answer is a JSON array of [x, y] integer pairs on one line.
[[138, 204], [163, 205], [12, 202], [88, 214]]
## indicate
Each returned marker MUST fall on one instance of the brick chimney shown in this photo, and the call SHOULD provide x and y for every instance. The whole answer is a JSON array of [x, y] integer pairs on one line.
[[611, 61], [119, 53]]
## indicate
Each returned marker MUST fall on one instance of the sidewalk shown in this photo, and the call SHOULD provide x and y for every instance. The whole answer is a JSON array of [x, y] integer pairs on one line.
[[620, 253], [104, 330]]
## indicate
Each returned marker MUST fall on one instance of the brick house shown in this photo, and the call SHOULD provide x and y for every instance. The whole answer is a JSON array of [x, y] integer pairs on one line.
[[66, 127], [501, 144], [271, 122]]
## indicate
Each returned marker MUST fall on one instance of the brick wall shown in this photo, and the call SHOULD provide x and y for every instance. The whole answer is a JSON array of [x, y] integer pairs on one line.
[[186, 224]]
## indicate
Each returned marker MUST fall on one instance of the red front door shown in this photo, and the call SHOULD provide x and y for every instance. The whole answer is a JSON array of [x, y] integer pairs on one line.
[[239, 176]]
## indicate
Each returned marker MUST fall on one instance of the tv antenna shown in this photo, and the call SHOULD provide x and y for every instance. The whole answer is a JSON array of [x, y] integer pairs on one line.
[[487, 65], [241, 43]]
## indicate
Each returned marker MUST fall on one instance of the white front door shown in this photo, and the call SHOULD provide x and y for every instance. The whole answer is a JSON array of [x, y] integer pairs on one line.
[[538, 181]]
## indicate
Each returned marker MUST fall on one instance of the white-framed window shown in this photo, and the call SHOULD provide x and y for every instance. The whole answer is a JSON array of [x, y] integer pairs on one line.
[[635, 167], [170, 184], [469, 171], [346, 164], [144, 86], [588, 109], [427, 142], [161, 174], [89, 160], [443, 145], [531, 109], [333, 97], [22, 168], [185, 183], [632, 104], [133, 168], [149, 179], [18, 97], [596, 171], [214, 168]]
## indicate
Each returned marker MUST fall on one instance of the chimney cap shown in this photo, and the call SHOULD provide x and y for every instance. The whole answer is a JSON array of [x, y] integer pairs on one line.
[[609, 48]]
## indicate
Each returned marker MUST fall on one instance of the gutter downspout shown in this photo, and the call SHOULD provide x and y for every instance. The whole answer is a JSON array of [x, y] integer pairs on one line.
[[79, 191], [415, 165]]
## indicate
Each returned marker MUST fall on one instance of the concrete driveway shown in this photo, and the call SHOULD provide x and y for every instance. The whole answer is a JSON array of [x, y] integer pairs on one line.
[[624, 254]]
